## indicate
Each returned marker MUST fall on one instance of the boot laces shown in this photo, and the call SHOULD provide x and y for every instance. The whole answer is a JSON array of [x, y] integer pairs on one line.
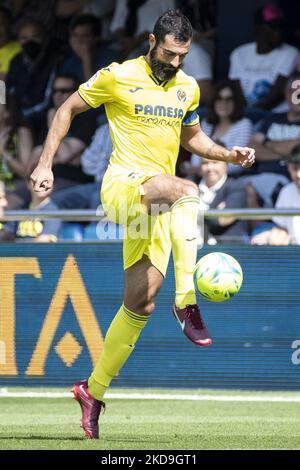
[[193, 313]]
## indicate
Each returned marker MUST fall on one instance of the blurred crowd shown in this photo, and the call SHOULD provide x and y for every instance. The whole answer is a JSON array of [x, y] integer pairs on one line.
[[48, 48]]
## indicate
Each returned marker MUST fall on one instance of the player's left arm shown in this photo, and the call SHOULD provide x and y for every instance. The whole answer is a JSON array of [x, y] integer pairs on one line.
[[196, 141]]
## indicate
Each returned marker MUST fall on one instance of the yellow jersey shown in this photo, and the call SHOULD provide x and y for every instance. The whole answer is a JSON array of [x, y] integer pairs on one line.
[[145, 116], [7, 53]]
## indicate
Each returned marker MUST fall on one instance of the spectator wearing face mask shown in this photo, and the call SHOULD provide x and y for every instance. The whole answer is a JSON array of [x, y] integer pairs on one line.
[[31, 75]]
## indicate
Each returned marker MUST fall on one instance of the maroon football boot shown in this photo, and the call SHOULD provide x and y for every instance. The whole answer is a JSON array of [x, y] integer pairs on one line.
[[192, 324], [90, 407]]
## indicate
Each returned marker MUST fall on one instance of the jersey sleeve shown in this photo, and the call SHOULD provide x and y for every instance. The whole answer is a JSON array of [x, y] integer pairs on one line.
[[191, 116], [99, 88]]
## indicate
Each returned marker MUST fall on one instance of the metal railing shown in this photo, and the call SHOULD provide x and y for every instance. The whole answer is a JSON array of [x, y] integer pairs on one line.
[[76, 215]]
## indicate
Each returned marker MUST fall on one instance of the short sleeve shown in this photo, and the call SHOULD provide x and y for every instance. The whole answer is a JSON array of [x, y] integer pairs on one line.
[[287, 61], [99, 88], [191, 117]]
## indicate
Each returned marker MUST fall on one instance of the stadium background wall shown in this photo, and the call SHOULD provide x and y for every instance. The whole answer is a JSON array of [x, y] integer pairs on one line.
[[56, 303]]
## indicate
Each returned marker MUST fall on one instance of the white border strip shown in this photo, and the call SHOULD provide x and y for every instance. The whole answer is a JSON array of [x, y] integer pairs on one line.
[[159, 396]]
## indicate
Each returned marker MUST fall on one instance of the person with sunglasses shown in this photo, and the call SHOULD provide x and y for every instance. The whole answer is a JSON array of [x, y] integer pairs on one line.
[[67, 161], [67, 164]]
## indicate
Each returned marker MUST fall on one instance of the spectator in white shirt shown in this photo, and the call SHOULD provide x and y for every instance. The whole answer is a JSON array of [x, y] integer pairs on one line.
[[262, 67]]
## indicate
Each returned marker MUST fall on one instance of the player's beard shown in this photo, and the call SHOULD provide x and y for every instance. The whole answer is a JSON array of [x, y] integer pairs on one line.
[[161, 70]]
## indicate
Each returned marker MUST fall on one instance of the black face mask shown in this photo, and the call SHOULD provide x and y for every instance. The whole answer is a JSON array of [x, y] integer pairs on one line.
[[32, 49]]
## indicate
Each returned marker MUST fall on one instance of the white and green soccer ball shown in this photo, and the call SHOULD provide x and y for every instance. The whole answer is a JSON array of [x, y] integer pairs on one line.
[[218, 276]]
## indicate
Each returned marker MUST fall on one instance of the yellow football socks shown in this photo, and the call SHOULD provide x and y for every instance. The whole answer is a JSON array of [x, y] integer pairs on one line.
[[119, 343], [183, 228]]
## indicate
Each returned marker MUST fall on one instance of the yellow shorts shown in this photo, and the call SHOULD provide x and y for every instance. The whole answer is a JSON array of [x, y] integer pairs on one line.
[[121, 193]]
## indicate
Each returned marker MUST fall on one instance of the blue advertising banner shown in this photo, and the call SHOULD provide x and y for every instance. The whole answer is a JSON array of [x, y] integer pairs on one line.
[[57, 301]]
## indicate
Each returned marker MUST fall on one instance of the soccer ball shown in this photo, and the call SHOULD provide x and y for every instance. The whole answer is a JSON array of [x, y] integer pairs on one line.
[[218, 276]]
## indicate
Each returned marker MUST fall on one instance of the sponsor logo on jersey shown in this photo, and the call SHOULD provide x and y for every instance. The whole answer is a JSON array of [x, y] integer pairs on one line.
[[158, 110]]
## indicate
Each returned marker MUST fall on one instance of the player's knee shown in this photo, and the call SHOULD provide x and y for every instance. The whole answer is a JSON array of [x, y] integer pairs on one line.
[[142, 305], [190, 189], [148, 308]]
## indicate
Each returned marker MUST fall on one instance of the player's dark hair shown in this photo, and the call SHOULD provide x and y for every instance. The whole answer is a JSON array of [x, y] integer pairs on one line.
[[239, 102], [91, 20], [175, 23]]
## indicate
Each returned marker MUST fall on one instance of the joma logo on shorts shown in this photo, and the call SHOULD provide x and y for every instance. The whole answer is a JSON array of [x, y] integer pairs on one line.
[[149, 110]]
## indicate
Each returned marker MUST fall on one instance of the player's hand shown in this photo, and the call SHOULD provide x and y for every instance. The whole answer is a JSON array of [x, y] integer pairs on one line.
[[243, 156], [279, 237], [42, 179]]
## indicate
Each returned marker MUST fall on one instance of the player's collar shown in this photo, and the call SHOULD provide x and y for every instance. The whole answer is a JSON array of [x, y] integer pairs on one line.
[[157, 81]]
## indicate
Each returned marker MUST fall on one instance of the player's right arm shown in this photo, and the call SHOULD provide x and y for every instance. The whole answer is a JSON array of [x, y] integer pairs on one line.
[[42, 176], [99, 89]]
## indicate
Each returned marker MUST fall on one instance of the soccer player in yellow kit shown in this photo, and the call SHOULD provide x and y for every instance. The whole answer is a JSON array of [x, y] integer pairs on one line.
[[151, 108]]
